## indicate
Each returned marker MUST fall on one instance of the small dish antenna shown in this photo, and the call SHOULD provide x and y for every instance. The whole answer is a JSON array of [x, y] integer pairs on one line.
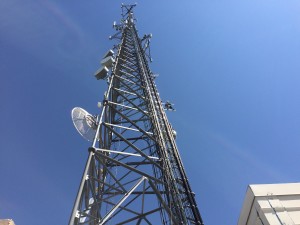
[[84, 123]]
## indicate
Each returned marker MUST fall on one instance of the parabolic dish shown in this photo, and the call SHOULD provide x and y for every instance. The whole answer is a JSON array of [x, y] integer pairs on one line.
[[84, 123]]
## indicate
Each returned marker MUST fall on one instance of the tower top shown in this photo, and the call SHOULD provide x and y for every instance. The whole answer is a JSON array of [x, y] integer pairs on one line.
[[127, 9]]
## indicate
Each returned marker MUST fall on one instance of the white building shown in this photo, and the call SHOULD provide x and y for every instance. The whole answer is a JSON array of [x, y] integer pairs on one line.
[[271, 204], [6, 222]]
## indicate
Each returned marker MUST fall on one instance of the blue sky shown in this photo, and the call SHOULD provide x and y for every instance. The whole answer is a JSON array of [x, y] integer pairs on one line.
[[231, 68]]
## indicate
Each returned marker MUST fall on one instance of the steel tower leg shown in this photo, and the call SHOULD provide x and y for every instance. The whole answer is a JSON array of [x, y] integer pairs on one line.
[[134, 174]]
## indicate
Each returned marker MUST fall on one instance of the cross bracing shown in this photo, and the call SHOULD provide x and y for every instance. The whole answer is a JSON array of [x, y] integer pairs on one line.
[[134, 174]]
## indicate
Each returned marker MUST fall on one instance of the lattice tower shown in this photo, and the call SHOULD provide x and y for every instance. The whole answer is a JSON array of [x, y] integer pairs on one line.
[[134, 173]]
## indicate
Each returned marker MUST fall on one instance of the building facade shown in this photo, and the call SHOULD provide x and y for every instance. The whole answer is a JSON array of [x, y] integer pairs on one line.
[[7, 222], [271, 204]]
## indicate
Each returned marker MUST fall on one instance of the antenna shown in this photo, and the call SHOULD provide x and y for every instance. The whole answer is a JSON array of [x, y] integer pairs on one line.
[[146, 46], [84, 123]]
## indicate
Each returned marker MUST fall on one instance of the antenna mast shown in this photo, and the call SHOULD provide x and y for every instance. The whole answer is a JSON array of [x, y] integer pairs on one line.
[[134, 173]]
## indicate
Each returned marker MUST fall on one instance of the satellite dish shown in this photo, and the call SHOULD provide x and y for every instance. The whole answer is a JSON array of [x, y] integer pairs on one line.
[[84, 123]]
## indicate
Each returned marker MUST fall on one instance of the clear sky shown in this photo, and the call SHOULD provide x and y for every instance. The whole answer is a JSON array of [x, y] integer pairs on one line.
[[231, 67]]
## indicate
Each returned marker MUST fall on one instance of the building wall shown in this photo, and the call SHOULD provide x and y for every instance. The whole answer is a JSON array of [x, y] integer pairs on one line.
[[6, 222], [271, 204]]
